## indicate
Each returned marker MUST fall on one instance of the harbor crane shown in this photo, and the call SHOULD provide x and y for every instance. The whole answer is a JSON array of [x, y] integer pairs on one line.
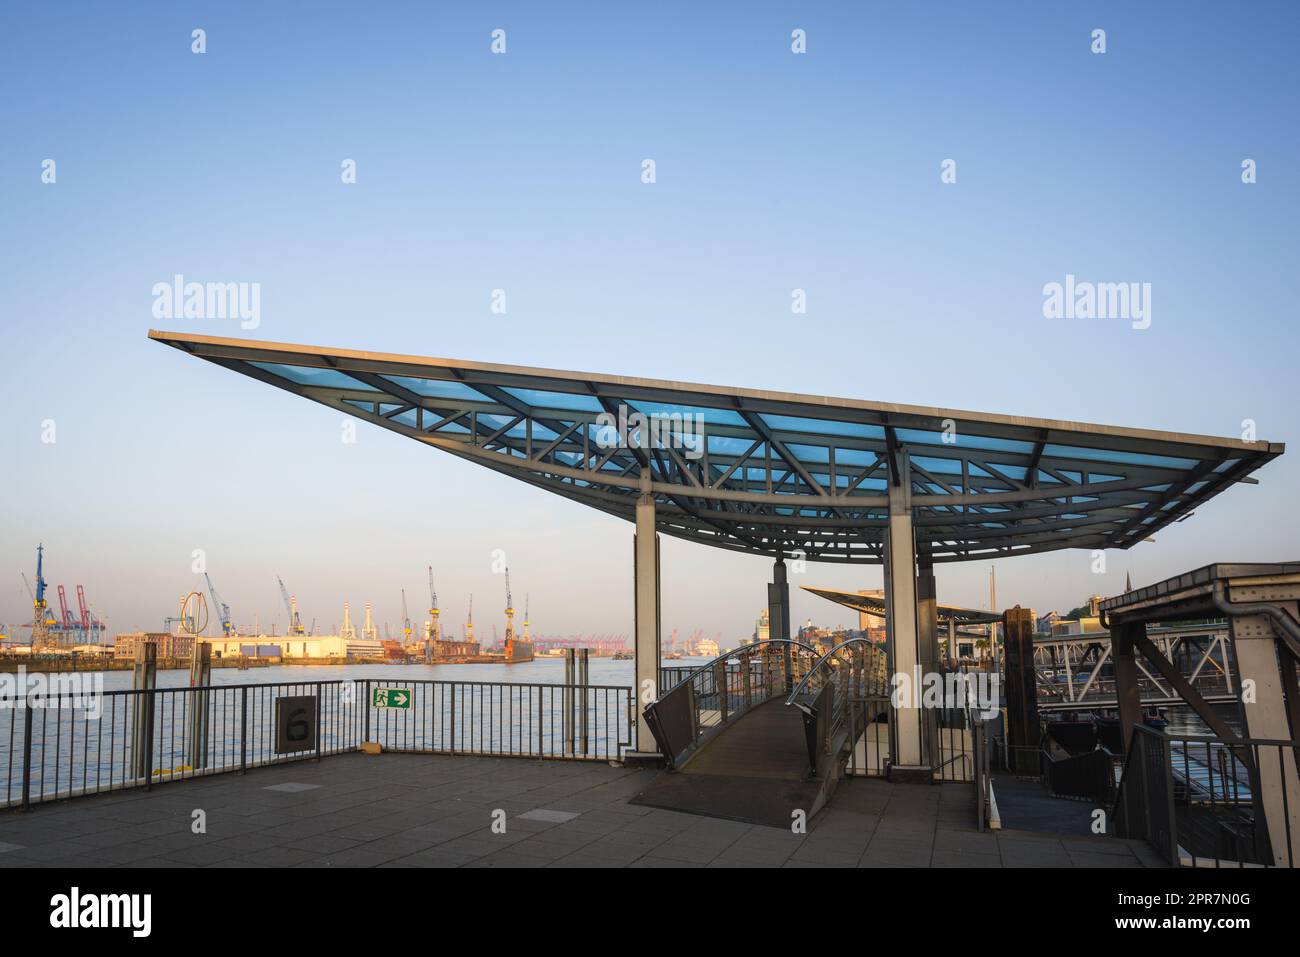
[[223, 610], [406, 621], [291, 606], [433, 632], [509, 645]]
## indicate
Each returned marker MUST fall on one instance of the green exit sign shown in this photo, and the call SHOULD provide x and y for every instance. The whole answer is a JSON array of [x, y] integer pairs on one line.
[[390, 697]]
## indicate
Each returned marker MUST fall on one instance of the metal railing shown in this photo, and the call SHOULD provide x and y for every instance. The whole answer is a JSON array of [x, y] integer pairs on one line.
[[64, 745], [715, 694], [854, 671], [503, 719], [1204, 801], [845, 699]]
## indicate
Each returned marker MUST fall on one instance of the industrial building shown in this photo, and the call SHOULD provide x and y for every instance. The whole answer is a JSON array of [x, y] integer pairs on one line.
[[168, 645]]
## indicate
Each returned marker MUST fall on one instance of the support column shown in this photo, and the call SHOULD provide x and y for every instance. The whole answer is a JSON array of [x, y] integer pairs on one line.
[[1021, 689], [927, 627], [778, 617], [1123, 650], [908, 744], [1261, 658], [645, 561], [778, 602]]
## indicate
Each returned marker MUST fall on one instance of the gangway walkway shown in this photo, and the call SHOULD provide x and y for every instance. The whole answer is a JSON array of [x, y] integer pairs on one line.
[[754, 770]]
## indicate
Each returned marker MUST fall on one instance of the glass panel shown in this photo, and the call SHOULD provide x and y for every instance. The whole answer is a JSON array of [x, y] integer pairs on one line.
[[945, 466], [792, 423], [726, 445], [811, 453], [322, 378], [711, 416], [965, 441], [437, 388], [557, 400], [1118, 458]]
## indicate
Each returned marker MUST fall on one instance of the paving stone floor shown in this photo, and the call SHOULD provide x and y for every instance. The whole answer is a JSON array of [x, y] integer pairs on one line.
[[399, 810]]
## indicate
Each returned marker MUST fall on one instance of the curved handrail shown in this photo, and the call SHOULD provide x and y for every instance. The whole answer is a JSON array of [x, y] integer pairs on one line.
[[702, 703], [798, 689], [712, 663]]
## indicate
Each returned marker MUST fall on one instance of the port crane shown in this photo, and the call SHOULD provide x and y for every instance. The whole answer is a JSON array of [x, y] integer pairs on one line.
[[223, 610], [433, 631], [291, 606], [406, 621]]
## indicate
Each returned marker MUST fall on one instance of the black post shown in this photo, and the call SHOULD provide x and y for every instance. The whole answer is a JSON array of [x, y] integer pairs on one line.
[[366, 684], [148, 697], [27, 753], [243, 729], [320, 712]]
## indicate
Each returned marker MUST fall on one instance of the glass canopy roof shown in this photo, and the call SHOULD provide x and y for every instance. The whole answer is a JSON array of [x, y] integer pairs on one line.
[[768, 472]]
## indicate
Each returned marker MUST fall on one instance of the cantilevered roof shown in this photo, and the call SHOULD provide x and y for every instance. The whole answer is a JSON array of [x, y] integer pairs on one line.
[[774, 472], [874, 604]]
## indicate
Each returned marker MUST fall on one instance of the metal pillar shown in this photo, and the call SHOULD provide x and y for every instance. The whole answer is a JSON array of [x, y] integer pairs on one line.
[[569, 662], [778, 602], [909, 745], [1265, 714], [1123, 652], [583, 681], [200, 679], [144, 681], [927, 625], [1022, 691], [778, 616], [645, 562]]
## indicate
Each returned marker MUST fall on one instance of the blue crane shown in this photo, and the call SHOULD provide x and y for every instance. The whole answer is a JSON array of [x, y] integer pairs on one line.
[[223, 610]]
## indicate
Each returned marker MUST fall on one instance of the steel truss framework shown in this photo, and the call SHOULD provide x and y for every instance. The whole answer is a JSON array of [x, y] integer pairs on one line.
[[1068, 668], [775, 473]]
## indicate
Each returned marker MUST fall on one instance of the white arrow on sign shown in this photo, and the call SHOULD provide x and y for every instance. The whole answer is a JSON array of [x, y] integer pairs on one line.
[[399, 698]]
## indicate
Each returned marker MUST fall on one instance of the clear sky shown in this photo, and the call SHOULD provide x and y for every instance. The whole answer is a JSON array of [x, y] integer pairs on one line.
[[522, 172]]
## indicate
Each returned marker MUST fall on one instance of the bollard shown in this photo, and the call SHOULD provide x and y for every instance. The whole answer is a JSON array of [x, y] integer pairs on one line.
[[144, 681], [200, 679]]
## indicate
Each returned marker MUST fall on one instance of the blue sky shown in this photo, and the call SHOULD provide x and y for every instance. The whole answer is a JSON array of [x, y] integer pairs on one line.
[[775, 171]]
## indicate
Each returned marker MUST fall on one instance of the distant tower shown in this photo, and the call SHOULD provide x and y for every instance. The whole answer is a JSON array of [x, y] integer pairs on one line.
[[433, 630], [40, 624], [469, 622], [510, 616], [368, 630], [348, 633], [1128, 583]]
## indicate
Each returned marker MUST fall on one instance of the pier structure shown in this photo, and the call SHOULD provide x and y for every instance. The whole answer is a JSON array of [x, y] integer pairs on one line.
[[1251, 795], [795, 478], [1076, 672]]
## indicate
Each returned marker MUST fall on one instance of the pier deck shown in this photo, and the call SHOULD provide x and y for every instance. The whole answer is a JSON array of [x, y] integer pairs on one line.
[[400, 810]]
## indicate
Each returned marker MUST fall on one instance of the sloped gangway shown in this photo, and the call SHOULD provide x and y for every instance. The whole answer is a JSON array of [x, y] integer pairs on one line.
[[752, 736]]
